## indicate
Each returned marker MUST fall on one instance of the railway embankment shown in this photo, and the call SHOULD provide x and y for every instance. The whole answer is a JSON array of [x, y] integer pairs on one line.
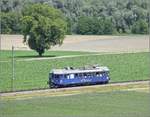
[[140, 86]]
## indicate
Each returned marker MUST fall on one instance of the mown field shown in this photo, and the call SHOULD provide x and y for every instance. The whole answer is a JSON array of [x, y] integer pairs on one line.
[[7, 55], [34, 74], [110, 104]]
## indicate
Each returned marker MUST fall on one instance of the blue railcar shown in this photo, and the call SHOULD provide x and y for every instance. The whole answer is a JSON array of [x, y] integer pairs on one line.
[[75, 77]]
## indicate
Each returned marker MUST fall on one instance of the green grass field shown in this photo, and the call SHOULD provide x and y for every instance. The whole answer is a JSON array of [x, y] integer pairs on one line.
[[112, 104], [7, 55], [34, 74]]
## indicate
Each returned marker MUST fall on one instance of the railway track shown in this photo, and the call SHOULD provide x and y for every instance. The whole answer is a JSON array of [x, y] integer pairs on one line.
[[115, 86]]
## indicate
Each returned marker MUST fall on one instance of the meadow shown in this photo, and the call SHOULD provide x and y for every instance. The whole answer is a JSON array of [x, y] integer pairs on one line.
[[34, 74], [110, 104], [7, 54]]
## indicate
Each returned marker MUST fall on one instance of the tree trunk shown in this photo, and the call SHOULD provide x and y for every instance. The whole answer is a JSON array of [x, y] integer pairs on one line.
[[40, 51], [40, 54]]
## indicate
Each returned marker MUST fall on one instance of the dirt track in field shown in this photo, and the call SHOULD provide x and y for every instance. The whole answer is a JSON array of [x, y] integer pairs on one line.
[[132, 43], [138, 86]]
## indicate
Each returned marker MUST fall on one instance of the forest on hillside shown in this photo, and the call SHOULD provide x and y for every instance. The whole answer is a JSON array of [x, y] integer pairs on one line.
[[84, 16]]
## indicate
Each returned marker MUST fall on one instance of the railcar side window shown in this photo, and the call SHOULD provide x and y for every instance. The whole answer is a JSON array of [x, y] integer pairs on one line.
[[85, 75], [97, 74], [67, 76], [100, 75], [93, 74], [89, 74], [80, 75], [76, 75], [71, 76], [56, 76]]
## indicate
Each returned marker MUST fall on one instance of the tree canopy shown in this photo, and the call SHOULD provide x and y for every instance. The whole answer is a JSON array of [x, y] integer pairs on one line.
[[42, 27]]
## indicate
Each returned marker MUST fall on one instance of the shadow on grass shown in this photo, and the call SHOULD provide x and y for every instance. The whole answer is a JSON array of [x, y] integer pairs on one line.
[[34, 56]]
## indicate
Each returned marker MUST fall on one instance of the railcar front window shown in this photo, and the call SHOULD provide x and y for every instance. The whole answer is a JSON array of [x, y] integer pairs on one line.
[[50, 75]]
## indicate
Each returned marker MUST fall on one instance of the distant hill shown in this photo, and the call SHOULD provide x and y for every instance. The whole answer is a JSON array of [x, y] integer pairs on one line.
[[86, 16]]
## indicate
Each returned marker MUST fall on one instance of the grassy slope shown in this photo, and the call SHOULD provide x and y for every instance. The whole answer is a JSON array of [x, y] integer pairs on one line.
[[34, 74], [115, 104], [6, 55]]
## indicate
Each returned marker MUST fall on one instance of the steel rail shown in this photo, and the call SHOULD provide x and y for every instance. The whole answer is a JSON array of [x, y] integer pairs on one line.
[[75, 87]]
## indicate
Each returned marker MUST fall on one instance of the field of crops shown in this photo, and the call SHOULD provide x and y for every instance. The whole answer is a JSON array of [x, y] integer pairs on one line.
[[34, 74], [90, 43], [110, 104]]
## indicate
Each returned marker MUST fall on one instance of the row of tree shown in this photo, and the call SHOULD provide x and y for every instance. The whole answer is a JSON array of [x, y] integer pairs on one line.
[[85, 16], [93, 25]]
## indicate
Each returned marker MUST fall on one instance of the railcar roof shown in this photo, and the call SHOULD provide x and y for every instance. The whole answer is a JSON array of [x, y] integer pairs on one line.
[[72, 71]]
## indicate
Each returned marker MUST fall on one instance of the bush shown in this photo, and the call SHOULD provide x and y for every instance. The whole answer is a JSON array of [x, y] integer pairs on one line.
[[10, 23], [140, 27], [94, 26]]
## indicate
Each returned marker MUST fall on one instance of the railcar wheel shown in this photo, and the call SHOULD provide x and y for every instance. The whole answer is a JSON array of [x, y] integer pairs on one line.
[[52, 86]]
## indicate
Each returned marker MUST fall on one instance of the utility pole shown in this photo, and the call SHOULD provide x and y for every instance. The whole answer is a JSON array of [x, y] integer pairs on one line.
[[13, 70], [0, 28], [149, 31]]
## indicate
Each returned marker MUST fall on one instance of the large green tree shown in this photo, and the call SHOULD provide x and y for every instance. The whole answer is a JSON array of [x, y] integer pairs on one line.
[[42, 26]]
